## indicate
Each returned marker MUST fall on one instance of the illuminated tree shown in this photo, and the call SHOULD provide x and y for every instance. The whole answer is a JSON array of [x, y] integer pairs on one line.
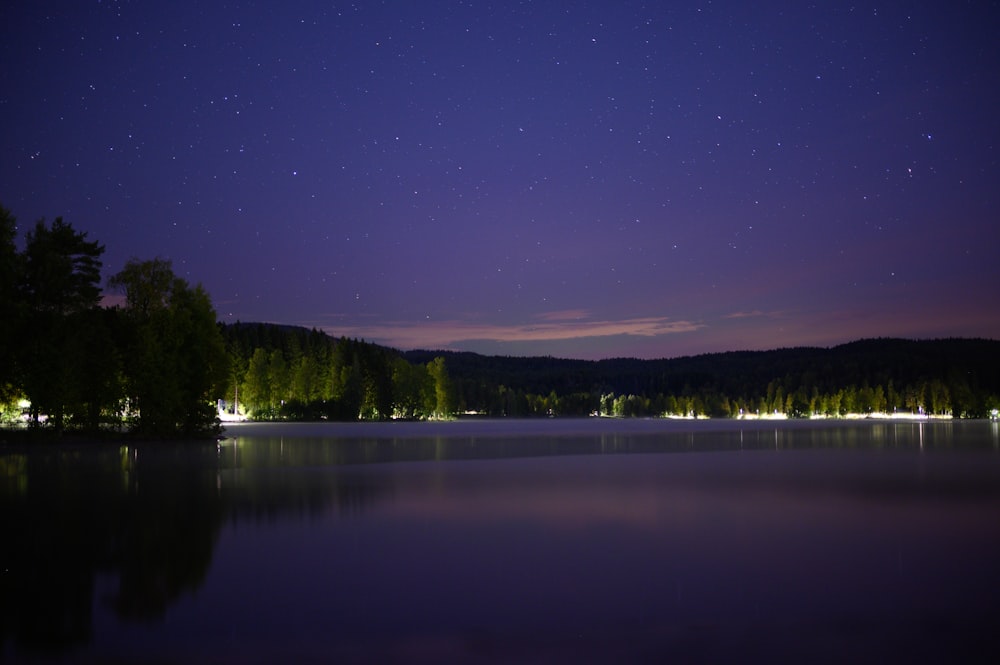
[[257, 386], [938, 397], [306, 379], [238, 364], [443, 395], [913, 398], [279, 379]]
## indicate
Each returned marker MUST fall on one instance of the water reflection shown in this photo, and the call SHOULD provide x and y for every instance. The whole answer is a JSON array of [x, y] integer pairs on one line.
[[258, 450], [490, 543], [72, 513]]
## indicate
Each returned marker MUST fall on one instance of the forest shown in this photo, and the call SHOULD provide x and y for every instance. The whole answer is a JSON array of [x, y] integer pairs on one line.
[[281, 372], [156, 362], [291, 373], [149, 366], [946, 377]]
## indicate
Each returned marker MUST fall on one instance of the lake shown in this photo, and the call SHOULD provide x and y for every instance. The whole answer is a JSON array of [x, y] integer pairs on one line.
[[495, 541]]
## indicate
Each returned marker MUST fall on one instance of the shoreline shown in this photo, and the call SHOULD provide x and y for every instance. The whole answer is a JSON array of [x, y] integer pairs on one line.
[[11, 437]]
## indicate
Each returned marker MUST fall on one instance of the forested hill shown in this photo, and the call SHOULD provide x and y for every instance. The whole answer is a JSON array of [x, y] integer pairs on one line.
[[285, 372], [960, 376]]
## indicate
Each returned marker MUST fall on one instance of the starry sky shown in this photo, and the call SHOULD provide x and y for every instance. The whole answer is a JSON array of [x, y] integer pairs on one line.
[[577, 179]]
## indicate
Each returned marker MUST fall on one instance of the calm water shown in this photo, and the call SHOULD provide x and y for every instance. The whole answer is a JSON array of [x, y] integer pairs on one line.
[[584, 541]]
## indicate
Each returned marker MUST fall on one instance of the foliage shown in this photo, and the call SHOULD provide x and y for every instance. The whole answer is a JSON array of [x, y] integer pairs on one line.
[[156, 365], [9, 303], [58, 286], [175, 360], [298, 374]]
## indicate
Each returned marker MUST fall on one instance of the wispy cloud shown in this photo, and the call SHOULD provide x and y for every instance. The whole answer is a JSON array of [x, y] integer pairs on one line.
[[550, 326], [752, 314]]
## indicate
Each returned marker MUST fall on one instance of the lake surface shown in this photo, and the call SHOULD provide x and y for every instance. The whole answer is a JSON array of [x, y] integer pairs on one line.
[[577, 541]]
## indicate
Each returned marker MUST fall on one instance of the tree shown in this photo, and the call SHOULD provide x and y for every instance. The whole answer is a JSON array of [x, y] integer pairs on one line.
[[10, 305], [279, 379], [408, 383], [61, 271], [175, 358], [257, 386], [94, 394], [443, 398], [346, 380], [377, 401], [238, 363], [203, 364], [306, 379]]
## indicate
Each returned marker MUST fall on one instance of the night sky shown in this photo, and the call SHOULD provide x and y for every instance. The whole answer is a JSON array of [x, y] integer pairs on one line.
[[577, 179]]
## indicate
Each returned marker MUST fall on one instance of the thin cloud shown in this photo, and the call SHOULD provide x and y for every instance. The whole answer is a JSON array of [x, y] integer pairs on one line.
[[446, 334], [753, 314]]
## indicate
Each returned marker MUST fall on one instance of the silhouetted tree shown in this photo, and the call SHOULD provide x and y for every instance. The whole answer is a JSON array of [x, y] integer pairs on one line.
[[10, 304], [175, 359], [96, 390], [60, 278]]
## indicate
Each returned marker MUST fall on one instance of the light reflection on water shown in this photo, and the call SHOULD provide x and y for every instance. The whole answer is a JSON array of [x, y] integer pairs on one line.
[[348, 444], [537, 541]]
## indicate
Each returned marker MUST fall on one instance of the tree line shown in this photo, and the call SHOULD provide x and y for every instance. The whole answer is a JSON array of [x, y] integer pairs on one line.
[[956, 377], [284, 372], [292, 373], [159, 363]]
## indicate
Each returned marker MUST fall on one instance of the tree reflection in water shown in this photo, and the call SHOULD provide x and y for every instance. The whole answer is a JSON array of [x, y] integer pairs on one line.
[[150, 515], [147, 515]]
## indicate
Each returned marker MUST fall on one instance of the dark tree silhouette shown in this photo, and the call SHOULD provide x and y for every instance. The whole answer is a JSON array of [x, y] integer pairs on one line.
[[175, 360], [59, 283]]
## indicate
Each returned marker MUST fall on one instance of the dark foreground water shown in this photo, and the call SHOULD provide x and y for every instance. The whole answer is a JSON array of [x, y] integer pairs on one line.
[[585, 541]]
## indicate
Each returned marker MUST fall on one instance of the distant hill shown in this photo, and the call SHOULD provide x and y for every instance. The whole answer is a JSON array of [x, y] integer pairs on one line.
[[295, 373], [968, 368]]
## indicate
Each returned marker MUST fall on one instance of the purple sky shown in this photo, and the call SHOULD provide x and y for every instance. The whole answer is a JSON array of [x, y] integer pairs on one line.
[[580, 179]]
